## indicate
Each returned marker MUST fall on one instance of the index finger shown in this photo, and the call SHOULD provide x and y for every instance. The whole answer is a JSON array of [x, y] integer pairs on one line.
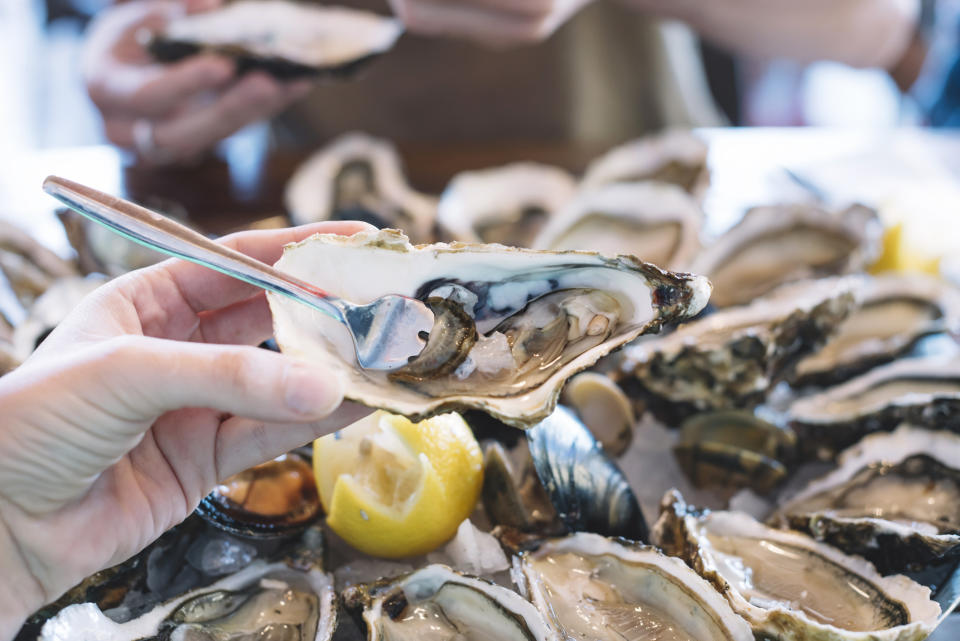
[[204, 289]]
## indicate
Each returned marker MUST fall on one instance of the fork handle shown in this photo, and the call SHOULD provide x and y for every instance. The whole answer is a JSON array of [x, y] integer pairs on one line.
[[163, 234]]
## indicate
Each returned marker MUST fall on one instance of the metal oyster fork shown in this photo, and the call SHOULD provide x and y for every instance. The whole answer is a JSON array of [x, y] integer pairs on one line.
[[387, 333]]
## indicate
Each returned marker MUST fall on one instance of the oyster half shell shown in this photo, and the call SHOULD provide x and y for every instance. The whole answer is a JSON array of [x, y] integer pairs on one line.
[[894, 499], [921, 391], [286, 39], [358, 177], [435, 603], [732, 358], [892, 313], [778, 244], [590, 587], [790, 587], [540, 317], [507, 205], [655, 222]]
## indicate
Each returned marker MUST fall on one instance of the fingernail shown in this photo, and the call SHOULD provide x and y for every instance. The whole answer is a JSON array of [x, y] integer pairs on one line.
[[311, 392]]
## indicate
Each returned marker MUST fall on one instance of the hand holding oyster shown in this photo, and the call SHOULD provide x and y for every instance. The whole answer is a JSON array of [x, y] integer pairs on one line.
[[512, 324]]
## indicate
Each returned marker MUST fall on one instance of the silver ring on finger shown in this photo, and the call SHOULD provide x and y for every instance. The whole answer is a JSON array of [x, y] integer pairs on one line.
[[143, 142]]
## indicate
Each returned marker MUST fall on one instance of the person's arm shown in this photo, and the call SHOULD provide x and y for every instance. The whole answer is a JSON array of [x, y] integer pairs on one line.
[[129, 413], [862, 33]]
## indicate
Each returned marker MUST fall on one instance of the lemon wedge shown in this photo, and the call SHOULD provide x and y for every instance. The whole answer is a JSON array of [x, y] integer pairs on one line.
[[392, 488]]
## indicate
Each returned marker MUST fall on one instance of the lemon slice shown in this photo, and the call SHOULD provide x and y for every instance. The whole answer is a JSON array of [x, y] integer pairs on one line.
[[899, 254], [392, 488]]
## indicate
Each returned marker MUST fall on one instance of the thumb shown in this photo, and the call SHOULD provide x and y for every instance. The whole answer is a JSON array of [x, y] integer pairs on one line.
[[153, 376]]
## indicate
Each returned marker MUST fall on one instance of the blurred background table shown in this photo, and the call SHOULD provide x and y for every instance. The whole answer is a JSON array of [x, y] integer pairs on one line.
[[909, 169]]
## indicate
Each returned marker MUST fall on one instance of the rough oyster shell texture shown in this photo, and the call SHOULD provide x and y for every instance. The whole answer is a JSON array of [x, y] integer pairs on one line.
[[286, 39], [507, 205], [893, 499], [920, 391], [733, 357], [777, 244], [656, 222], [790, 587], [563, 310], [590, 587]]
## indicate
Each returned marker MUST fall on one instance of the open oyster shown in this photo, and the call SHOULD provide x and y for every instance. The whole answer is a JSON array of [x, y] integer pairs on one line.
[[507, 205], [777, 244], [290, 599], [539, 318], [733, 357], [435, 603], [921, 391], [286, 39], [357, 177], [894, 499], [655, 222], [790, 587], [893, 312], [590, 587], [674, 156]]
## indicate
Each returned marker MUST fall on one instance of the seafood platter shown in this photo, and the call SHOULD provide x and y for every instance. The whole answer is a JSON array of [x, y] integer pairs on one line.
[[673, 436]]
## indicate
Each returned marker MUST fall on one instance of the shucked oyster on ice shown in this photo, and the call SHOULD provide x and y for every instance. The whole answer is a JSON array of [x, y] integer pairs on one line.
[[790, 587], [655, 222], [507, 205], [511, 325], [674, 156], [778, 244], [921, 391], [287, 39], [435, 604], [892, 313], [590, 587], [357, 177], [894, 499], [733, 357]]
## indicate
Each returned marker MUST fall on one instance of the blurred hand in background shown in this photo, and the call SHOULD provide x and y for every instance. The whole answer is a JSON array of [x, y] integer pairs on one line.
[[493, 22], [171, 112]]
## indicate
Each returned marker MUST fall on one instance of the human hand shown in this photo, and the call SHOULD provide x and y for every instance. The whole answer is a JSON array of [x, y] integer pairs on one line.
[[171, 112], [132, 410], [494, 22]]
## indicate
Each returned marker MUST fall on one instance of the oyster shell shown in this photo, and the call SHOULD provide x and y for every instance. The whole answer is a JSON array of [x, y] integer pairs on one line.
[[51, 308], [286, 39], [777, 244], [790, 587], [893, 312], [656, 222], [507, 205], [894, 499], [540, 317], [358, 177], [435, 603], [921, 391], [732, 358], [674, 156], [590, 587]]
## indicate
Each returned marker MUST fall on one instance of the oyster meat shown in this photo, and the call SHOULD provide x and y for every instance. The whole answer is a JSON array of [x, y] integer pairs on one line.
[[893, 312], [603, 407], [777, 244], [357, 177], [656, 222], [790, 587], [435, 604], [511, 325], [590, 587], [893, 499], [286, 39], [507, 205], [674, 156], [732, 358], [921, 391]]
